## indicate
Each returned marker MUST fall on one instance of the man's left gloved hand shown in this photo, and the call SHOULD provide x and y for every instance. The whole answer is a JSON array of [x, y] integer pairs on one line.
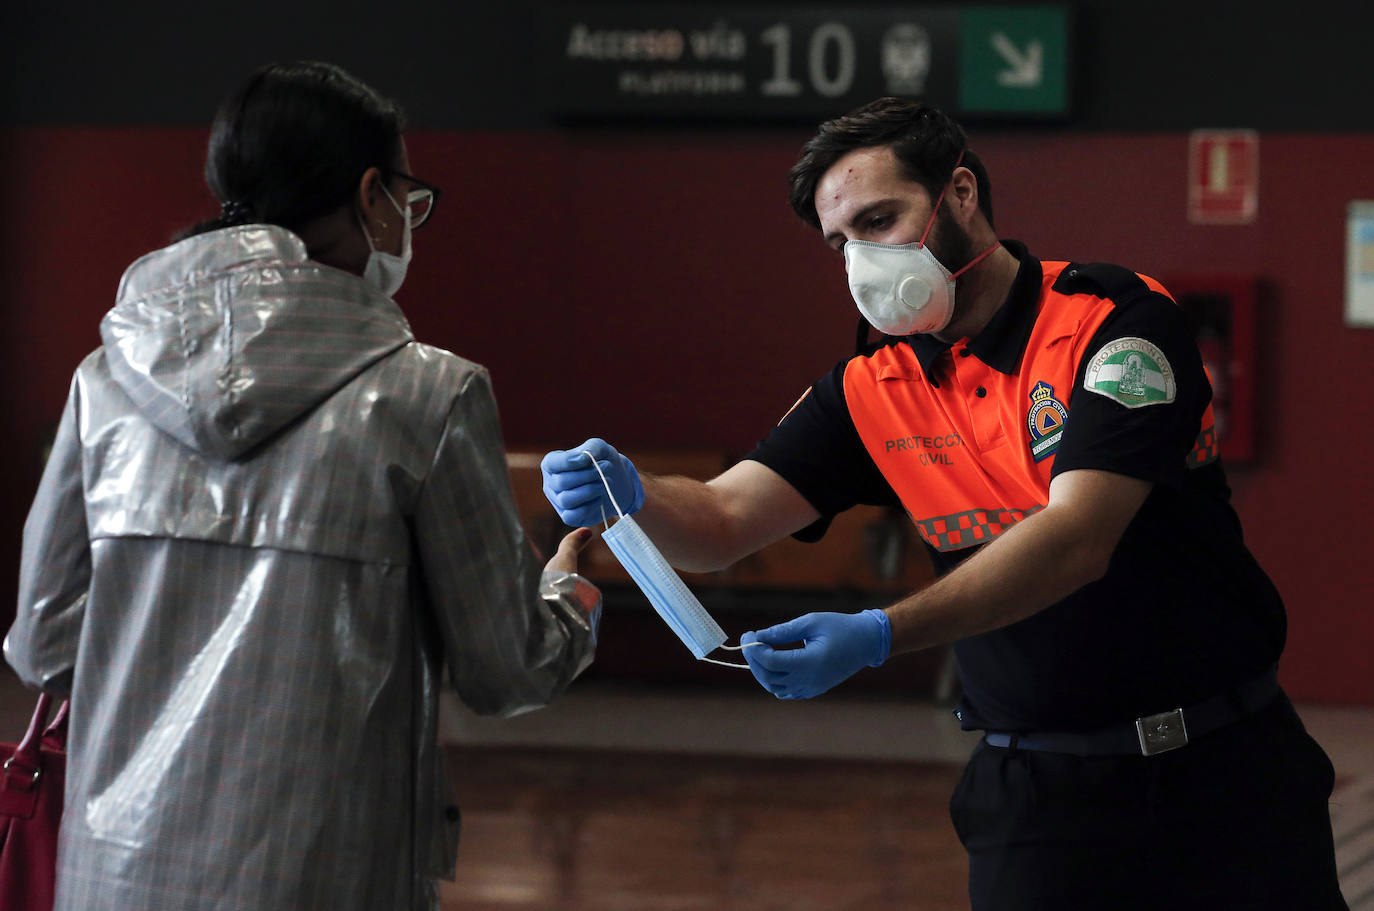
[[834, 647]]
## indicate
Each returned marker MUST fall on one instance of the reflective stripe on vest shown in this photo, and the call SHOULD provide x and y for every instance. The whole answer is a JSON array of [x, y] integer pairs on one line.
[[1205, 449], [974, 526]]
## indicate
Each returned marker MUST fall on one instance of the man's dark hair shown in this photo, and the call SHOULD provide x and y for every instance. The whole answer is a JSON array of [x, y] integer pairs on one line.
[[925, 140], [292, 142]]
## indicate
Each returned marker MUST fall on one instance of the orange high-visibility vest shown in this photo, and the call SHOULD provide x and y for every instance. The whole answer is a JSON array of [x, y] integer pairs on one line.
[[954, 447]]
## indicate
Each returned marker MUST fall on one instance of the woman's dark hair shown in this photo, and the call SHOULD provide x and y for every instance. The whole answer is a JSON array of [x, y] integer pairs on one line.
[[925, 140], [292, 142]]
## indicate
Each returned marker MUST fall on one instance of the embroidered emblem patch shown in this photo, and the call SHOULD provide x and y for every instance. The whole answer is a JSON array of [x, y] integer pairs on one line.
[[1132, 372], [1045, 421]]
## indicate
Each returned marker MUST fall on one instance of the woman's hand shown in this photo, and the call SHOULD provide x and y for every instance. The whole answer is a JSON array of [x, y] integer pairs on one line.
[[565, 560]]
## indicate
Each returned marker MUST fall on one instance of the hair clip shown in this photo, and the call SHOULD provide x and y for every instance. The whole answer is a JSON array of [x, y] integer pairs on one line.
[[233, 210]]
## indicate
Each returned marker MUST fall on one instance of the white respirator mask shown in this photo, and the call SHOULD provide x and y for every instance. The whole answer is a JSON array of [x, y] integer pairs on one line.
[[902, 289]]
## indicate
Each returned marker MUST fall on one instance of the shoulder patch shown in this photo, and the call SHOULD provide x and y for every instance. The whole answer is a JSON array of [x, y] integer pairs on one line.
[[1132, 372], [1045, 421]]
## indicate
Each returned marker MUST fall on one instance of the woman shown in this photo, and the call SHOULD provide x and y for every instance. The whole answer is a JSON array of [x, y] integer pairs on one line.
[[270, 520]]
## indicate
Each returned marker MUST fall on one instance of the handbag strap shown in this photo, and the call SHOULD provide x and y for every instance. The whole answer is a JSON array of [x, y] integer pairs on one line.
[[55, 735], [26, 753]]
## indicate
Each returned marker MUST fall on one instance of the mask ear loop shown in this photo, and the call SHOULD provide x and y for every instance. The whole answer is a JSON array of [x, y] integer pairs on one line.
[[606, 484], [734, 648], [936, 211]]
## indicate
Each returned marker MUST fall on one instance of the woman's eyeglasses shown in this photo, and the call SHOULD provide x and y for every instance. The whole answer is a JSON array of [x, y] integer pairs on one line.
[[421, 198]]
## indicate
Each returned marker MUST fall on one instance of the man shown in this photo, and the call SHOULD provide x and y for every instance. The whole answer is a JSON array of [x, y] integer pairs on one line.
[[1047, 426]]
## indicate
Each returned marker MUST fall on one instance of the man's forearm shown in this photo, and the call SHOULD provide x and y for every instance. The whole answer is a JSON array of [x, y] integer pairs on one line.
[[688, 522], [1021, 573], [1040, 561], [705, 526]]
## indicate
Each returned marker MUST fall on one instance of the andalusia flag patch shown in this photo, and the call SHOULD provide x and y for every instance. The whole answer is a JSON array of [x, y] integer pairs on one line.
[[1133, 372]]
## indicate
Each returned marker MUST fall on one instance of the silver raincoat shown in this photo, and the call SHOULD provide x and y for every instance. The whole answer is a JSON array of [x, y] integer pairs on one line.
[[270, 520]]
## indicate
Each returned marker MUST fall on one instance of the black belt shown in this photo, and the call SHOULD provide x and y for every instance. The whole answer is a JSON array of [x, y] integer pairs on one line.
[[1152, 734]]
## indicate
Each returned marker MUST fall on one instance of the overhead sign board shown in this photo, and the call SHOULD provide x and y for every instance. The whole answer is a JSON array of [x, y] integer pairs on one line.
[[673, 61], [1013, 60]]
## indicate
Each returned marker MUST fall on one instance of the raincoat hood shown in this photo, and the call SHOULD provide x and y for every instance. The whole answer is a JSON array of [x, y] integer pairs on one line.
[[225, 338]]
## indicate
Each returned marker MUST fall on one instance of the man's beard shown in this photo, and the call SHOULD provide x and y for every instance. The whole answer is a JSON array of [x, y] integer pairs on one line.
[[949, 243]]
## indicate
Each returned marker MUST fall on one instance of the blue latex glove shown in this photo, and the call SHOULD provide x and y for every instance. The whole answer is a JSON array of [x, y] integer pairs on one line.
[[575, 489], [834, 648]]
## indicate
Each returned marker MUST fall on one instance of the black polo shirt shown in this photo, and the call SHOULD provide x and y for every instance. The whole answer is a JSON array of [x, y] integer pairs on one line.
[[1183, 611]]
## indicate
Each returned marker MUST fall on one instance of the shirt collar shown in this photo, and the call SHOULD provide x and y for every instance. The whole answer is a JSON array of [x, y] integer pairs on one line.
[[1004, 338]]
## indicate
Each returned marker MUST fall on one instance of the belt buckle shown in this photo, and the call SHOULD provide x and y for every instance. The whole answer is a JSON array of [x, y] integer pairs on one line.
[[1161, 733]]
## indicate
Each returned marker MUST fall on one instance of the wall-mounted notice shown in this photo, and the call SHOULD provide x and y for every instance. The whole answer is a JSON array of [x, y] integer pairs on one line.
[[731, 62], [1223, 177], [1359, 264]]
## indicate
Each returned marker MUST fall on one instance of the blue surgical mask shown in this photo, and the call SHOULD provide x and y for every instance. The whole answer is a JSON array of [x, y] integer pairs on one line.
[[664, 588]]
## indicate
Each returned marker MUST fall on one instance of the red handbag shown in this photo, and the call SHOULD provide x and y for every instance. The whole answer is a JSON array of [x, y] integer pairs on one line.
[[32, 775]]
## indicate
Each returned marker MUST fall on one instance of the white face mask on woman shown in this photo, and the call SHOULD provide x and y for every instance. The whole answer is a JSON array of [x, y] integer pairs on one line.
[[387, 271]]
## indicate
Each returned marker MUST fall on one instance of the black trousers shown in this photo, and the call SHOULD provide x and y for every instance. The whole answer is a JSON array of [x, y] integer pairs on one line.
[[1235, 820]]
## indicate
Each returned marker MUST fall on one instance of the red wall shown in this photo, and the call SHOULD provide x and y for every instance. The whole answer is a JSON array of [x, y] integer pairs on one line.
[[654, 288]]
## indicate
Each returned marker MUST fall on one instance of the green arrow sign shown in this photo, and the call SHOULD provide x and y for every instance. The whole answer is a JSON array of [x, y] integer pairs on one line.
[[1013, 60]]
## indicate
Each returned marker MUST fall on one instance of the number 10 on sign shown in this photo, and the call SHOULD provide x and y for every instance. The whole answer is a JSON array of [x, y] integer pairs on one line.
[[830, 82]]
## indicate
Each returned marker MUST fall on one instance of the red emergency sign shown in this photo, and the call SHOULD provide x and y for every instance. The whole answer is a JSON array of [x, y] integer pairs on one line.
[[1223, 176]]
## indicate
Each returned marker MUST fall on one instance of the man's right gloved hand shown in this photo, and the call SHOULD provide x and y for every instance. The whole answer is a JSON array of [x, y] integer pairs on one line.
[[835, 646], [575, 489]]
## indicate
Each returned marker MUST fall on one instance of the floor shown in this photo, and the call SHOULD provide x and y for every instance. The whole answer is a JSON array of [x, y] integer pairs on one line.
[[642, 798], [626, 797], [596, 830]]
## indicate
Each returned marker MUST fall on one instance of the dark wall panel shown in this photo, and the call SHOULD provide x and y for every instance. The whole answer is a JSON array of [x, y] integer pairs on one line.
[[653, 288]]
